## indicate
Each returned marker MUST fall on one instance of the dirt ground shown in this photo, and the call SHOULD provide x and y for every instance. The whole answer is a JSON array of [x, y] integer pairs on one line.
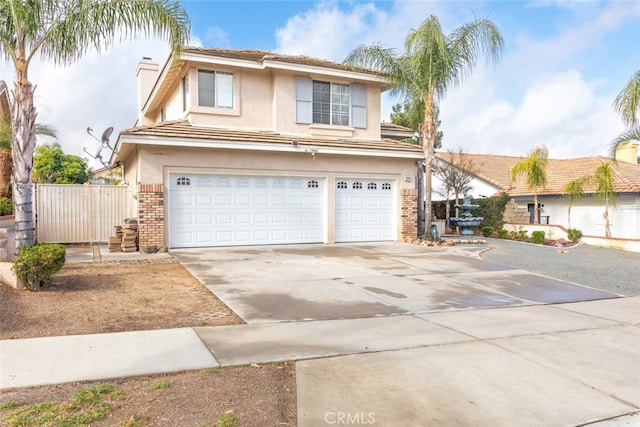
[[98, 297]]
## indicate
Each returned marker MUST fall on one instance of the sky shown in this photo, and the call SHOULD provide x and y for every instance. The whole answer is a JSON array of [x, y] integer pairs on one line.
[[562, 66]]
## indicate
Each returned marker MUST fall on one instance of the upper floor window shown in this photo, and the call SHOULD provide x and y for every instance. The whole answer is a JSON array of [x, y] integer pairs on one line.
[[215, 89], [330, 103]]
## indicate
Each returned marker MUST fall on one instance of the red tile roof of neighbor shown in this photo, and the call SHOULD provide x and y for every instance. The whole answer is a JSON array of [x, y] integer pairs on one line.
[[182, 129], [496, 171]]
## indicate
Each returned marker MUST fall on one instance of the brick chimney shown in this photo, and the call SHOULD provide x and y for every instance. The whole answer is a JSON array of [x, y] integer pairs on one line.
[[627, 152], [147, 74]]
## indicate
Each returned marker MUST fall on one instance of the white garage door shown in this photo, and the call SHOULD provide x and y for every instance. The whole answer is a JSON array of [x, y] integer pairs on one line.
[[365, 210], [229, 210]]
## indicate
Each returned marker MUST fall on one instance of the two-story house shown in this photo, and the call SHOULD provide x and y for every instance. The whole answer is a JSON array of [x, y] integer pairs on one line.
[[248, 147]]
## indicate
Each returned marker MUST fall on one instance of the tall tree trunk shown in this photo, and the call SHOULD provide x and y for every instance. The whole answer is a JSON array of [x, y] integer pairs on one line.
[[607, 226], [569, 216], [23, 145], [536, 214], [447, 213], [428, 141]]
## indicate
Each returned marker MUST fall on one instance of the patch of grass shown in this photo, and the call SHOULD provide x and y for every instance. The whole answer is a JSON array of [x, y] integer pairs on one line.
[[228, 420], [86, 406], [209, 371], [161, 385], [135, 420], [93, 395], [9, 405]]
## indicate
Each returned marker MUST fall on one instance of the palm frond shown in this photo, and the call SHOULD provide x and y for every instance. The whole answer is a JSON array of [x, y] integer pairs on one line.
[[534, 167], [68, 29], [630, 135], [627, 103], [604, 179], [46, 130]]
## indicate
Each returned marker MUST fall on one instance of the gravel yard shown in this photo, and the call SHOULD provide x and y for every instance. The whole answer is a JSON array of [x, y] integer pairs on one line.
[[611, 270]]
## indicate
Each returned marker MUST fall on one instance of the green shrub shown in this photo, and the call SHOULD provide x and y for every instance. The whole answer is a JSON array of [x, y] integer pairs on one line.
[[6, 206], [574, 234], [503, 234], [487, 231], [537, 237], [38, 263], [491, 209], [521, 235]]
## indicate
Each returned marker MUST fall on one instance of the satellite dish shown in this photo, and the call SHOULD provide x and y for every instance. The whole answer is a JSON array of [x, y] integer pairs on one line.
[[105, 136]]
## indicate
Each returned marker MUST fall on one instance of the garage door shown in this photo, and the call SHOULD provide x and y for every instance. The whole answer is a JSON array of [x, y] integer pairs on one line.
[[229, 210], [365, 210]]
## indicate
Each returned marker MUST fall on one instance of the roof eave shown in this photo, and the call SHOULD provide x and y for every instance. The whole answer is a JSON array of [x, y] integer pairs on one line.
[[262, 146]]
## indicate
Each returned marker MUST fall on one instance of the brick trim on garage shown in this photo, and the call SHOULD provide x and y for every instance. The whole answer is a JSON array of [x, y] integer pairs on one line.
[[408, 214], [151, 217]]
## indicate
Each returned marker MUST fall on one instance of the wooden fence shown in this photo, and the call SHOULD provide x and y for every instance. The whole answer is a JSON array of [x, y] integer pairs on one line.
[[80, 213]]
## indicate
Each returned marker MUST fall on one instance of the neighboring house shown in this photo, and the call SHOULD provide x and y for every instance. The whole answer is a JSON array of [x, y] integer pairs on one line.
[[248, 147], [492, 175]]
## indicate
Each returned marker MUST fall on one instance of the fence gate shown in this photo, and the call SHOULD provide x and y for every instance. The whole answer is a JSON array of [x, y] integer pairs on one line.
[[67, 213]]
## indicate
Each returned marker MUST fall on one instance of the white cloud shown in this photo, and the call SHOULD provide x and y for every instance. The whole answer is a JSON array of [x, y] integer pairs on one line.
[[216, 36], [324, 31], [558, 110]]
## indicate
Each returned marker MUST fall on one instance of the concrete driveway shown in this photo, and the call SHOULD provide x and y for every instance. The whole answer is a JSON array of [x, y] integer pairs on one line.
[[319, 282]]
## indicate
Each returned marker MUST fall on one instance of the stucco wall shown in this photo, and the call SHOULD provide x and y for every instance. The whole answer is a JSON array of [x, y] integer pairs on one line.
[[586, 215]]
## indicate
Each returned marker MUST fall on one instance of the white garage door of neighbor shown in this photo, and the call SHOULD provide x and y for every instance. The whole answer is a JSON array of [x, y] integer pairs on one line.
[[365, 210], [230, 210]]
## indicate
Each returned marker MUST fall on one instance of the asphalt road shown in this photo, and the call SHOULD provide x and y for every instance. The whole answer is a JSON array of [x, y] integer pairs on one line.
[[611, 270]]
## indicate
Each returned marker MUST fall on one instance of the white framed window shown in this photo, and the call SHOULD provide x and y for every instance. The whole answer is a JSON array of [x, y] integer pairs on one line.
[[331, 103], [328, 103], [215, 89]]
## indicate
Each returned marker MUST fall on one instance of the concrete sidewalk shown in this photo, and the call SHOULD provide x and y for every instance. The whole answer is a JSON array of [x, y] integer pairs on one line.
[[563, 364]]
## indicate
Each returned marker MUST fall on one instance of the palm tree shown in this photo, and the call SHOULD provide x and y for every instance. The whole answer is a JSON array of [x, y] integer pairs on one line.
[[604, 180], [573, 192], [627, 104], [432, 64], [62, 31], [535, 169]]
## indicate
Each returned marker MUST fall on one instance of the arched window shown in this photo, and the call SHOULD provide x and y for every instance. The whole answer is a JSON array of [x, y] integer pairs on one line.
[[183, 180], [386, 186], [372, 186], [312, 184], [342, 185], [357, 186]]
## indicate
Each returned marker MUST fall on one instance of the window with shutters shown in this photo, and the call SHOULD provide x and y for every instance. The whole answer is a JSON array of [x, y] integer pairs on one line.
[[328, 103]]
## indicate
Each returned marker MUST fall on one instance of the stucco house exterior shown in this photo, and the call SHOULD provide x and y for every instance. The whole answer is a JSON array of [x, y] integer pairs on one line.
[[492, 175], [249, 147]]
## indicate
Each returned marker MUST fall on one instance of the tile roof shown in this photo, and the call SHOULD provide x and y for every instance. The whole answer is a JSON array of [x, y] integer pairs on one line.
[[264, 55], [496, 171], [182, 129]]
